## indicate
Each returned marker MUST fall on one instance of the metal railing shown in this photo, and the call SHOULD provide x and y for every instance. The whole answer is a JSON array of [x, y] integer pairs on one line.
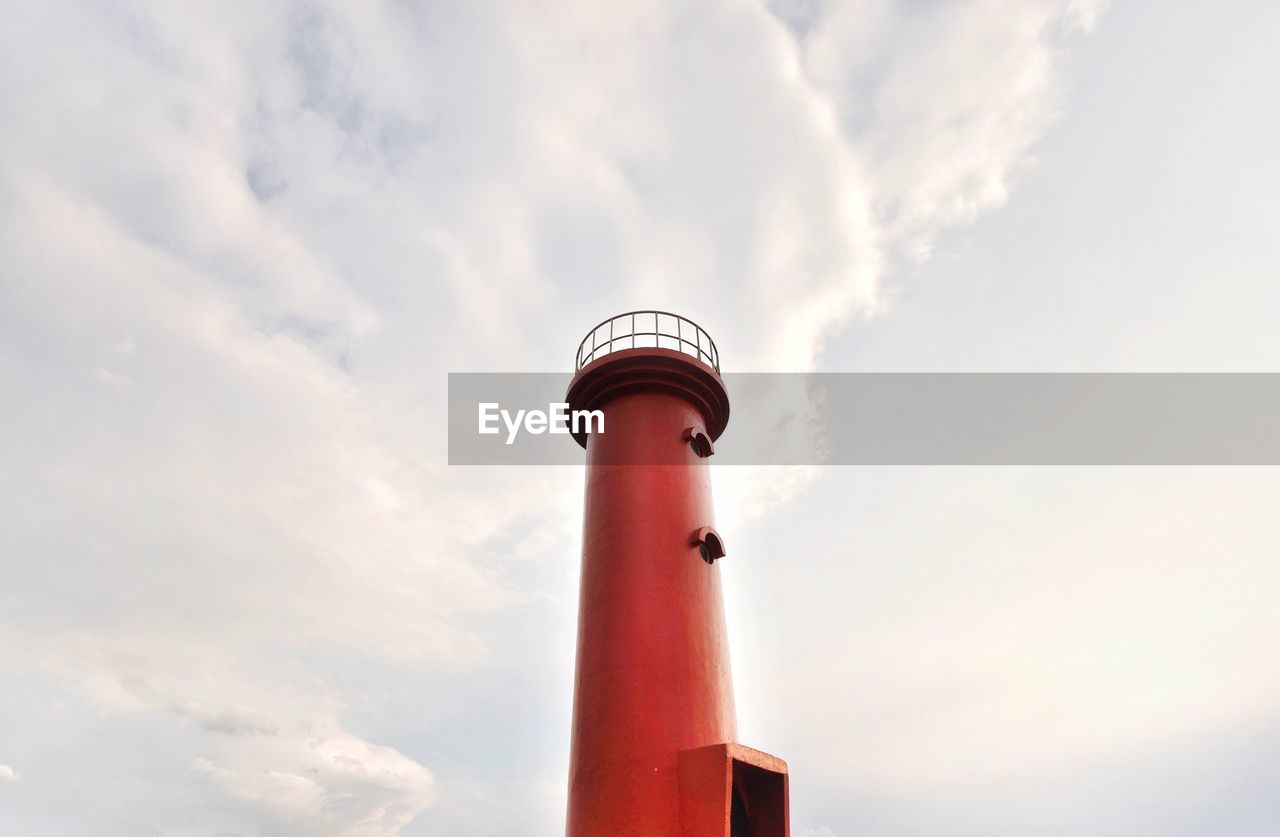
[[648, 330]]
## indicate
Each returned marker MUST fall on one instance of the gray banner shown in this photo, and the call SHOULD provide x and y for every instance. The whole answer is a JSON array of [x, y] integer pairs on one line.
[[919, 419]]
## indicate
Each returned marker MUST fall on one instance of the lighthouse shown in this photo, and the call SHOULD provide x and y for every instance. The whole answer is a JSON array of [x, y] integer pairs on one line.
[[654, 749]]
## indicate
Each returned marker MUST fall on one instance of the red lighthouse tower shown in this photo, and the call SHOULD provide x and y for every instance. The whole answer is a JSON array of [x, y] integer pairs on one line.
[[654, 750]]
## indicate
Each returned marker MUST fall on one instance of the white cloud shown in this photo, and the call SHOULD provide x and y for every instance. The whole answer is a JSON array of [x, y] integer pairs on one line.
[[328, 782], [942, 103], [1084, 14], [8, 774]]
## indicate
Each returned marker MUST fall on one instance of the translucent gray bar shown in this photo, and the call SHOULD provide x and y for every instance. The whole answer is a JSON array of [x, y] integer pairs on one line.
[[930, 419]]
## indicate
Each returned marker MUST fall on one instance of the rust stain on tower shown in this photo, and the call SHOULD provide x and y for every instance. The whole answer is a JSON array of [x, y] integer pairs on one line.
[[654, 751]]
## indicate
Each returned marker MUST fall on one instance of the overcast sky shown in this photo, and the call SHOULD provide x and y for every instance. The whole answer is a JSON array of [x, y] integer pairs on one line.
[[241, 593]]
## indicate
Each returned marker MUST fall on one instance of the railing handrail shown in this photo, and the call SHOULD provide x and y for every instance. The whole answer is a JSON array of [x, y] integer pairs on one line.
[[701, 346]]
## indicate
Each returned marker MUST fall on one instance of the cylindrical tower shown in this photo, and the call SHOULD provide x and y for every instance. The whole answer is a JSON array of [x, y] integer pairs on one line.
[[653, 749]]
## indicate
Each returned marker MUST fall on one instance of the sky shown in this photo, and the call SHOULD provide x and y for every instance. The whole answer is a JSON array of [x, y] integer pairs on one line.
[[241, 591]]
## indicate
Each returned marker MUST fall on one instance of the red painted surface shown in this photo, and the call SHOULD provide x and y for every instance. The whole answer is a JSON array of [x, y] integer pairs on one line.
[[709, 776], [653, 674]]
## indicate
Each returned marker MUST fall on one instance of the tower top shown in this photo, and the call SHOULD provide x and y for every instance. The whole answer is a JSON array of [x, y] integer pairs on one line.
[[650, 351]]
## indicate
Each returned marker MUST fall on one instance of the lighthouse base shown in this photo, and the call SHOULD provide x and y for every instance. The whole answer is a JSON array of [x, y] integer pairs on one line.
[[727, 790]]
